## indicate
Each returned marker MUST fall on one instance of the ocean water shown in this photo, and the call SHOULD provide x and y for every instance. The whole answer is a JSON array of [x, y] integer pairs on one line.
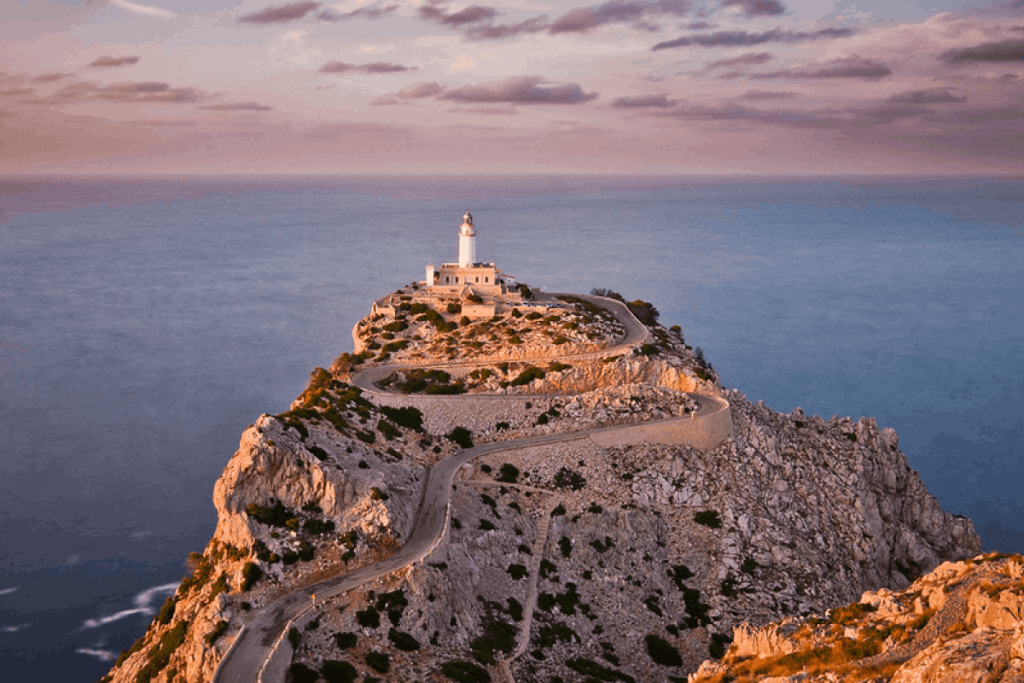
[[144, 324]]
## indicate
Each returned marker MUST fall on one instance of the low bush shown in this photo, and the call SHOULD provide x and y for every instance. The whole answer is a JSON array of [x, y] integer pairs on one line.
[[461, 436], [408, 417], [251, 573], [465, 672], [277, 515], [368, 618], [378, 661], [528, 375], [403, 641], [708, 518], [219, 629], [517, 571], [566, 478], [389, 430], [166, 612], [334, 671], [662, 652], [300, 673], [497, 636], [345, 640]]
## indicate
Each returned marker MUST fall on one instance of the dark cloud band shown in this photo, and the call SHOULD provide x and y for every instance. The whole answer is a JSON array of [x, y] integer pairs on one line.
[[739, 38]]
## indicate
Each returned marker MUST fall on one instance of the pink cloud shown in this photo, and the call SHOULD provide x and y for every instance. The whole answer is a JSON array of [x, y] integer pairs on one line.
[[371, 68], [106, 61], [853, 66], [736, 38], [757, 8], [280, 14], [525, 90]]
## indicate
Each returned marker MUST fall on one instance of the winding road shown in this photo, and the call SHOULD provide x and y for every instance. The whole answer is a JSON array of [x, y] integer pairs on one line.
[[261, 652]]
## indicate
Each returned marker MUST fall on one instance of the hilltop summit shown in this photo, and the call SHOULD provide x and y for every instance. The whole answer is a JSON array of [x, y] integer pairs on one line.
[[560, 490]]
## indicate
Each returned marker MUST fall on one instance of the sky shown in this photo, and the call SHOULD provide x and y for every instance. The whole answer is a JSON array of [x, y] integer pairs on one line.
[[644, 87]]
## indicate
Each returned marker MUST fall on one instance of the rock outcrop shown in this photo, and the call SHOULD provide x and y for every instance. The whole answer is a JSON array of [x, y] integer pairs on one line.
[[583, 557], [961, 623]]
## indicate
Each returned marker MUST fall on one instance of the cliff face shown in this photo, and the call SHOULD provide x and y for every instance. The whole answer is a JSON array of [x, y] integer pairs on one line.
[[578, 556], [962, 622]]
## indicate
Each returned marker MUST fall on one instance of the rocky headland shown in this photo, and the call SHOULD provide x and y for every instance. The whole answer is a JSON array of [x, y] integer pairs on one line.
[[560, 493]]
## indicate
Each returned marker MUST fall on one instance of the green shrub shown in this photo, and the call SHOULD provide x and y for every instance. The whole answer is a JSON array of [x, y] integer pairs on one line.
[[708, 518], [219, 629], [465, 672], [167, 611], [558, 511], [389, 430], [749, 566], [645, 312], [515, 609], [366, 436], [300, 673], [508, 474], [396, 326], [542, 419], [565, 545], [461, 436], [517, 571], [278, 515], [318, 453], [403, 641], [408, 417], [554, 632], [378, 661], [497, 636], [566, 478], [454, 309], [377, 494], [662, 652], [251, 573], [591, 668], [652, 604], [486, 525], [160, 655], [719, 645], [345, 640], [317, 526], [334, 671], [528, 375], [368, 618]]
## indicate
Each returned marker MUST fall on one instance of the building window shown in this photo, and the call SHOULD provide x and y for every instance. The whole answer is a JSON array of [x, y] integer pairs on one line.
[[476, 280], [487, 280], [446, 279], [456, 279]]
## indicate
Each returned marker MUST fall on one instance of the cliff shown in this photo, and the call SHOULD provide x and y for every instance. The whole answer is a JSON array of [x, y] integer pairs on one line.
[[620, 515], [964, 621]]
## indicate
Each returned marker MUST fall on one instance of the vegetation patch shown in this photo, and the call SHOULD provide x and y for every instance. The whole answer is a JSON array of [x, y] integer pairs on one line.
[[465, 672], [497, 637], [219, 629], [251, 573], [378, 661], [461, 436], [567, 478], [334, 671], [160, 655], [662, 652], [345, 640], [708, 518]]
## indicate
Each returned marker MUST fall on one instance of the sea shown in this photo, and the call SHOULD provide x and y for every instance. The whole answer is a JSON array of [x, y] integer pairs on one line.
[[145, 322]]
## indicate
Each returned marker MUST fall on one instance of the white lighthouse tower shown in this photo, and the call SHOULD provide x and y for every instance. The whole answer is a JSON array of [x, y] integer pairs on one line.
[[467, 242]]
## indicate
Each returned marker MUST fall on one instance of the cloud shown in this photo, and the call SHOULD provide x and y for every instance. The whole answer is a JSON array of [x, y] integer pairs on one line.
[[236, 106], [149, 91], [498, 32], [615, 11], [280, 14], [102, 655], [766, 95], [1002, 51], [420, 90], [14, 628], [415, 91], [847, 67], [371, 68], [143, 10], [643, 102], [114, 61], [362, 12], [474, 14], [525, 90], [757, 8], [49, 78], [748, 58], [8, 591], [734, 38], [929, 96]]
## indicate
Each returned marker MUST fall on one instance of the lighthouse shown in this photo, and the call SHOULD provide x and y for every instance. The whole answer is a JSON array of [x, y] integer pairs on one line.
[[467, 242]]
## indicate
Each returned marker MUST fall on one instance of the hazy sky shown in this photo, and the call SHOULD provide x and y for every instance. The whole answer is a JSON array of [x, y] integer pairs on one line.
[[512, 86]]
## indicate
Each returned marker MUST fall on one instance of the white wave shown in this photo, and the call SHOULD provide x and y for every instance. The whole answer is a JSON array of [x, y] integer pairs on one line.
[[102, 655], [111, 618], [143, 605], [14, 629], [8, 591]]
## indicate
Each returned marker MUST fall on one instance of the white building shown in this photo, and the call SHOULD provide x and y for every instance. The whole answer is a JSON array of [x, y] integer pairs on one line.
[[479, 278]]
